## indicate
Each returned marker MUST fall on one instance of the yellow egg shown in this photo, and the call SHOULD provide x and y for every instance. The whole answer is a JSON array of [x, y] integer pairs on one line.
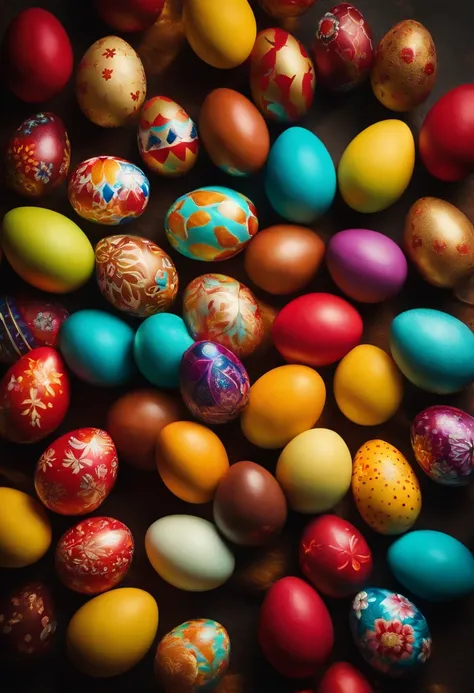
[[314, 470], [111, 633], [368, 386], [220, 33], [385, 488], [25, 531], [377, 166], [283, 403]]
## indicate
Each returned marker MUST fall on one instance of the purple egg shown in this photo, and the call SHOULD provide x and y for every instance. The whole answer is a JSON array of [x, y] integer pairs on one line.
[[214, 383], [442, 439], [366, 265]]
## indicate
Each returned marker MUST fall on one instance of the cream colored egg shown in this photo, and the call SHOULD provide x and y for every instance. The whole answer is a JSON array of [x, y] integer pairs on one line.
[[25, 530]]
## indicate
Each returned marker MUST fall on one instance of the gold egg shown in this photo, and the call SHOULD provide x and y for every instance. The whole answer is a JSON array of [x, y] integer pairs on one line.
[[439, 239]]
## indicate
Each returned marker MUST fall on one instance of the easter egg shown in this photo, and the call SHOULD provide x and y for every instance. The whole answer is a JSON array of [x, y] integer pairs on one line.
[[220, 309], [129, 15], [285, 9], [112, 632], [385, 488], [316, 329], [300, 178], [442, 439], [25, 530], [110, 83], [28, 619], [76, 473], [94, 555], [188, 552], [34, 396], [283, 403], [167, 137], [292, 606], [342, 677], [367, 266], [282, 78], [342, 48], [434, 350], [135, 275], [193, 656], [376, 166], [390, 632], [47, 250], [314, 471], [334, 556], [211, 224], [38, 155]]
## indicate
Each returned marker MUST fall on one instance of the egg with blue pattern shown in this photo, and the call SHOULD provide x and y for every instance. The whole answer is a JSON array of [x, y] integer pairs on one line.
[[211, 224]]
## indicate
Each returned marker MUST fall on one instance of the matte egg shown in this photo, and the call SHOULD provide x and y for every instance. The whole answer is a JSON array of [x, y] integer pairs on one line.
[[25, 529], [342, 677], [27, 623], [129, 15], [285, 9]]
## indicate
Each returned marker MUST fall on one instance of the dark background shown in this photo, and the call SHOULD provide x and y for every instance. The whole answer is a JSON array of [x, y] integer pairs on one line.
[[140, 498]]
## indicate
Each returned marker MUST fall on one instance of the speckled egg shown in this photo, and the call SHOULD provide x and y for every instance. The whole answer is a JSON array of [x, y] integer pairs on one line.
[[27, 622]]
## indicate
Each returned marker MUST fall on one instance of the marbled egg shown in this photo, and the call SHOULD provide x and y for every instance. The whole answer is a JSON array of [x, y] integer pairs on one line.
[[285, 9], [27, 622]]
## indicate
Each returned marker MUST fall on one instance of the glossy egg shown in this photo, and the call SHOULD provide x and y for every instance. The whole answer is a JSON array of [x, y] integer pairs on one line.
[[129, 15], [285, 9], [342, 677], [188, 552], [110, 83], [376, 166], [434, 350], [76, 473], [27, 622], [25, 529], [385, 488], [390, 632]]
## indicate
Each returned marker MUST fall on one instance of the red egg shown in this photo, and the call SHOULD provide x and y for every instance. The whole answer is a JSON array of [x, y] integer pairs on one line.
[[316, 329], [295, 628], [342, 677], [27, 622], [129, 15], [94, 555], [36, 55], [77, 472], [34, 396]]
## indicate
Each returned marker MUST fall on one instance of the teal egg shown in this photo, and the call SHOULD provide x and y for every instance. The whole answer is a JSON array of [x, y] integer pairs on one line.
[[434, 350], [432, 565]]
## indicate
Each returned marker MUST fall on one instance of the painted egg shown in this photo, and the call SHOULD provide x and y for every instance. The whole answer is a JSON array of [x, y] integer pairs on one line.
[[27, 622], [434, 350], [220, 309], [342, 677], [385, 488], [188, 552], [376, 166], [34, 396], [284, 9], [94, 555], [442, 439], [76, 473], [367, 266], [28, 323], [194, 656], [110, 83], [282, 78], [211, 224], [38, 155], [405, 66], [342, 49], [292, 606], [390, 632], [129, 15], [25, 529]]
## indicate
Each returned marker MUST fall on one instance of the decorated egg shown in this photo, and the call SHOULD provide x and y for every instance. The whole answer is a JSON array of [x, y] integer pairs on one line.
[[34, 396], [76, 473], [27, 622], [342, 677], [405, 66], [94, 555], [442, 439], [385, 488], [194, 656], [282, 78], [284, 9], [110, 83], [129, 15], [220, 309], [25, 529], [390, 632]]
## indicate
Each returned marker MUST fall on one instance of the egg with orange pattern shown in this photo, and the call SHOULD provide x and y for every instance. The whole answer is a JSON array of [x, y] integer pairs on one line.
[[385, 488]]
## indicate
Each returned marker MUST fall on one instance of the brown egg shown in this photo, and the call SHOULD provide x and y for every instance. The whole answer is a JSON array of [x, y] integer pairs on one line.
[[27, 622], [284, 258], [439, 240]]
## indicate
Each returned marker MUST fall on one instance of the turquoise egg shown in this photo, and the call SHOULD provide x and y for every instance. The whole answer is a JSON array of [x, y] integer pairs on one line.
[[98, 347], [160, 343], [432, 565], [300, 178], [434, 350]]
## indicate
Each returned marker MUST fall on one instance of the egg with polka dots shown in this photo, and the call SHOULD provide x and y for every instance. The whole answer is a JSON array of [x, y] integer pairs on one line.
[[385, 488]]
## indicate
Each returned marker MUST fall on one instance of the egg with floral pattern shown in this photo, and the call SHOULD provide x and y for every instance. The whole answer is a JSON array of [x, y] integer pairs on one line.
[[27, 622], [390, 632], [76, 473]]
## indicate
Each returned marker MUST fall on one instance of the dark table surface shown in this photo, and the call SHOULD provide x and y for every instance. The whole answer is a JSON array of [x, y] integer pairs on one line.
[[139, 498]]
